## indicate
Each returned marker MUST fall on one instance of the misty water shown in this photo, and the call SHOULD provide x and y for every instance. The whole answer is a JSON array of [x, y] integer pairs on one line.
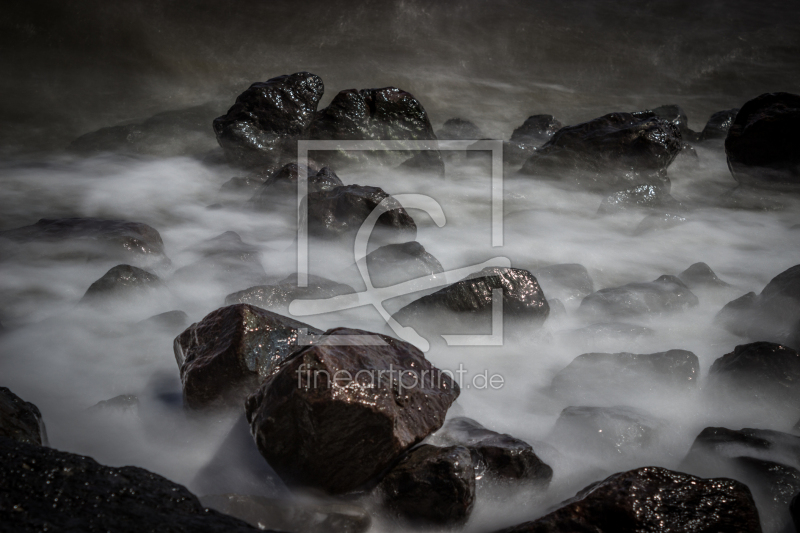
[[495, 64]]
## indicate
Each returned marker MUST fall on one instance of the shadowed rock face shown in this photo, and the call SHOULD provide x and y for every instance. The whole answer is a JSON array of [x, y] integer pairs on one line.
[[334, 417], [536, 130], [282, 185], [224, 357], [432, 486], [278, 297], [762, 142], [700, 275], [268, 118], [665, 295], [653, 499], [395, 263], [718, 125], [45, 489], [121, 281], [20, 420]]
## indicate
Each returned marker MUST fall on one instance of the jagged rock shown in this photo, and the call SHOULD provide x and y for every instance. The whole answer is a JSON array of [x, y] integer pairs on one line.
[[396, 263], [287, 515], [770, 316], [281, 185], [432, 486], [675, 115], [356, 421], [718, 124], [225, 357], [613, 152], [565, 281], [700, 275], [658, 221], [536, 130], [92, 239], [665, 295], [761, 142], [639, 197], [122, 404], [620, 375], [653, 499], [268, 118], [42, 489], [278, 297], [496, 456], [459, 129], [20, 420], [468, 303], [120, 282], [170, 321]]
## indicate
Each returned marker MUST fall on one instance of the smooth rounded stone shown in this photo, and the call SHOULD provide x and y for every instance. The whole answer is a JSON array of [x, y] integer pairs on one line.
[[21, 420], [364, 398], [227, 355], [653, 499], [496, 456], [169, 321], [759, 372], [468, 303], [264, 124], [639, 197], [593, 375], [91, 239], [772, 315], [281, 185], [718, 124], [536, 130], [612, 431], [565, 281], [278, 297], [761, 142], [48, 490], [122, 281], [122, 404], [431, 486], [288, 515], [700, 275], [459, 129], [667, 294], [613, 152], [179, 132], [396, 263], [387, 114], [657, 222]]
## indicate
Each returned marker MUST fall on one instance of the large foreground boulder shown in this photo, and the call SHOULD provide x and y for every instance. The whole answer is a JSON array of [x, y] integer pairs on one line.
[[20, 420], [225, 357], [613, 152], [761, 145], [666, 294], [653, 499], [42, 489], [339, 412]]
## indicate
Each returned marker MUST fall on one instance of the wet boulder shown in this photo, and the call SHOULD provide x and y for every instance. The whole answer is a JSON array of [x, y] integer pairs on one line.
[[667, 294], [277, 297], [396, 263], [718, 125], [20, 420], [613, 152], [122, 281], [653, 499], [639, 197], [761, 145], [46, 489], [265, 122], [770, 316], [431, 486], [675, 115], [225, 357], [700, 275], [565, 281], [281, 185], [459, 129], [340, 412], [496, 456], [515, 153], [536, 130]]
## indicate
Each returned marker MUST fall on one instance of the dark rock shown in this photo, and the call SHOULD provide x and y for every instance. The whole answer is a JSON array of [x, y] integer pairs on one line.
[[675, 115], [665, 295], [458, 129], [761, 142], [718, 124], [565, 282], [700, 275], [536, 130], [759, 372], [225, 357], [20, 420], [243, 184], [120, 282], [94, 238], [658, 221], [613, 152], [639, 197], [794, 510], [278, 297], [281, 185], [396, 263], [124, 403], [773, 315], [331, 418], [496, 456], [653, 499], [625, 374], [42, 489], [468, 303], [432, 486], [268, 118], [516, 153], [773, 485], [170, 321], [288, 515]]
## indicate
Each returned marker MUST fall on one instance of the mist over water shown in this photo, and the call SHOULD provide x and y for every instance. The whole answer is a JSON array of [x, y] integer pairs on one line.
[[71, 69]]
